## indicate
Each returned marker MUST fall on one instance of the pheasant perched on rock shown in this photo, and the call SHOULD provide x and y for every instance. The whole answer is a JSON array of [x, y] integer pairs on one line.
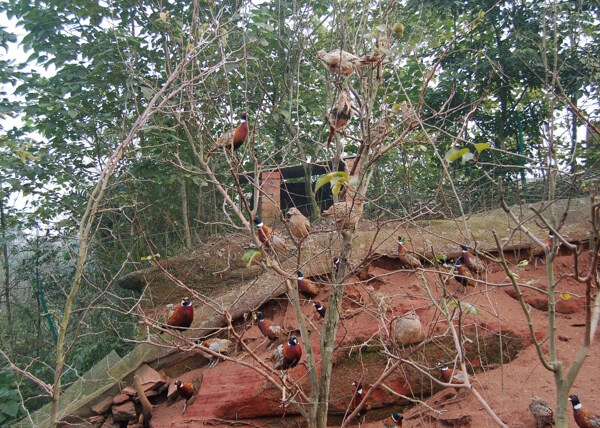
[[320, 309], [271, 332], [222, 346], [345, 214], [448, 377], [407, 259], [395, 420], [270, 238], [583, 417], [299, 225], [344, 63], [186, 391], [182, 316], [232, 139], [472, 262], [287, 355], [462, 276], [339, 115], [357, 398], [541, 411], [307, 288]]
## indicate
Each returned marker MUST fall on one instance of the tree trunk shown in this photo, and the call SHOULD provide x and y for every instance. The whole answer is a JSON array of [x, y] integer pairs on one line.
[[9, 327]]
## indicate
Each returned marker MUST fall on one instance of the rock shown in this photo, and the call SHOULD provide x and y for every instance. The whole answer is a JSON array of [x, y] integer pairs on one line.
[[540, 301], [407, 329], [120, 399], [129, 390], [103, 406], [96, 421], [149, 378], [110, 423], [124, 412]]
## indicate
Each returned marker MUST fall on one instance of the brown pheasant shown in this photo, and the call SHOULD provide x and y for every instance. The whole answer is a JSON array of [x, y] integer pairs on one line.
[[345, 214], [299, 225], [541, 411], [339, 115], [344, 63]]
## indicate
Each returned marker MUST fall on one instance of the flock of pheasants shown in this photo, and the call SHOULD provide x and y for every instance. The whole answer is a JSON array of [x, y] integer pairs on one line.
[[345, 214]]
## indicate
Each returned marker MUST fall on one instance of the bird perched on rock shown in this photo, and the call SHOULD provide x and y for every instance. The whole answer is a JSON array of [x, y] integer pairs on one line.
[[357, 398], [299, 225], [185, 390], [583, 417], [222, 346], [409, 115], [344, 63], [270, 238], [307, 288], [345, 214], [339, 115], [320, 309], [472, 262], [462, 276], [407, 259], [287, 355], [448, 377], [271, 332], [395, 420], [541, 411], [182, 316], [232, 139]]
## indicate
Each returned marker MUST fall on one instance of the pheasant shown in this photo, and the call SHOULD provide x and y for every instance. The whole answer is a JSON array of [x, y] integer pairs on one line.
[[538, 251], [357, 398], [407, 259], [448, 377], [339, 115], [185, 390], [299, 225], [270, 238], [271, 332], [233, 138], [541, 411], [336, 265], [462, 276], [222, 346], [345, 214], [182, 316], [344, 63], [378, 134], [472, 262], [583, 417], [320, 309], [287, 355], [409, 115], [307, 288], [395, 420]]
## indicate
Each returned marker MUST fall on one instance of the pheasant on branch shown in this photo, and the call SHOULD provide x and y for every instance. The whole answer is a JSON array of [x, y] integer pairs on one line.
[[344, 63], [232, 139], [339, 115]]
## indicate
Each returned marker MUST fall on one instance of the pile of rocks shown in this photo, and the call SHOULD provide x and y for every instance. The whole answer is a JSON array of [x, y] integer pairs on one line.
[[125, 408]]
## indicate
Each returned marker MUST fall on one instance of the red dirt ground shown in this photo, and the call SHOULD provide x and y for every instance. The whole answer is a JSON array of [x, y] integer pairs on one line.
[[231, 391]]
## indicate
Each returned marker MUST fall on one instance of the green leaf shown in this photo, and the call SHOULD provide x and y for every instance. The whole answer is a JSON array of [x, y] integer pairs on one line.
[[10, 408], [453, 154], [482, 146], [467, 157], [465, 306], [332, 177], [250, 255], [336, 188]]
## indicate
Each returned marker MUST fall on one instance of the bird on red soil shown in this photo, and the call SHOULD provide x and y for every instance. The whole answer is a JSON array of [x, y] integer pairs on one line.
[[407, 259], [182, 316], [269, 237], [287, 355], [583, 417], [357, 398], [185, 390], [395, 420], [320, 309], [541, 411], [215, 344], [271, 332], [448, 377], [336, 266], [233, 138], [463, 276], [469, 260], [307, 288]]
